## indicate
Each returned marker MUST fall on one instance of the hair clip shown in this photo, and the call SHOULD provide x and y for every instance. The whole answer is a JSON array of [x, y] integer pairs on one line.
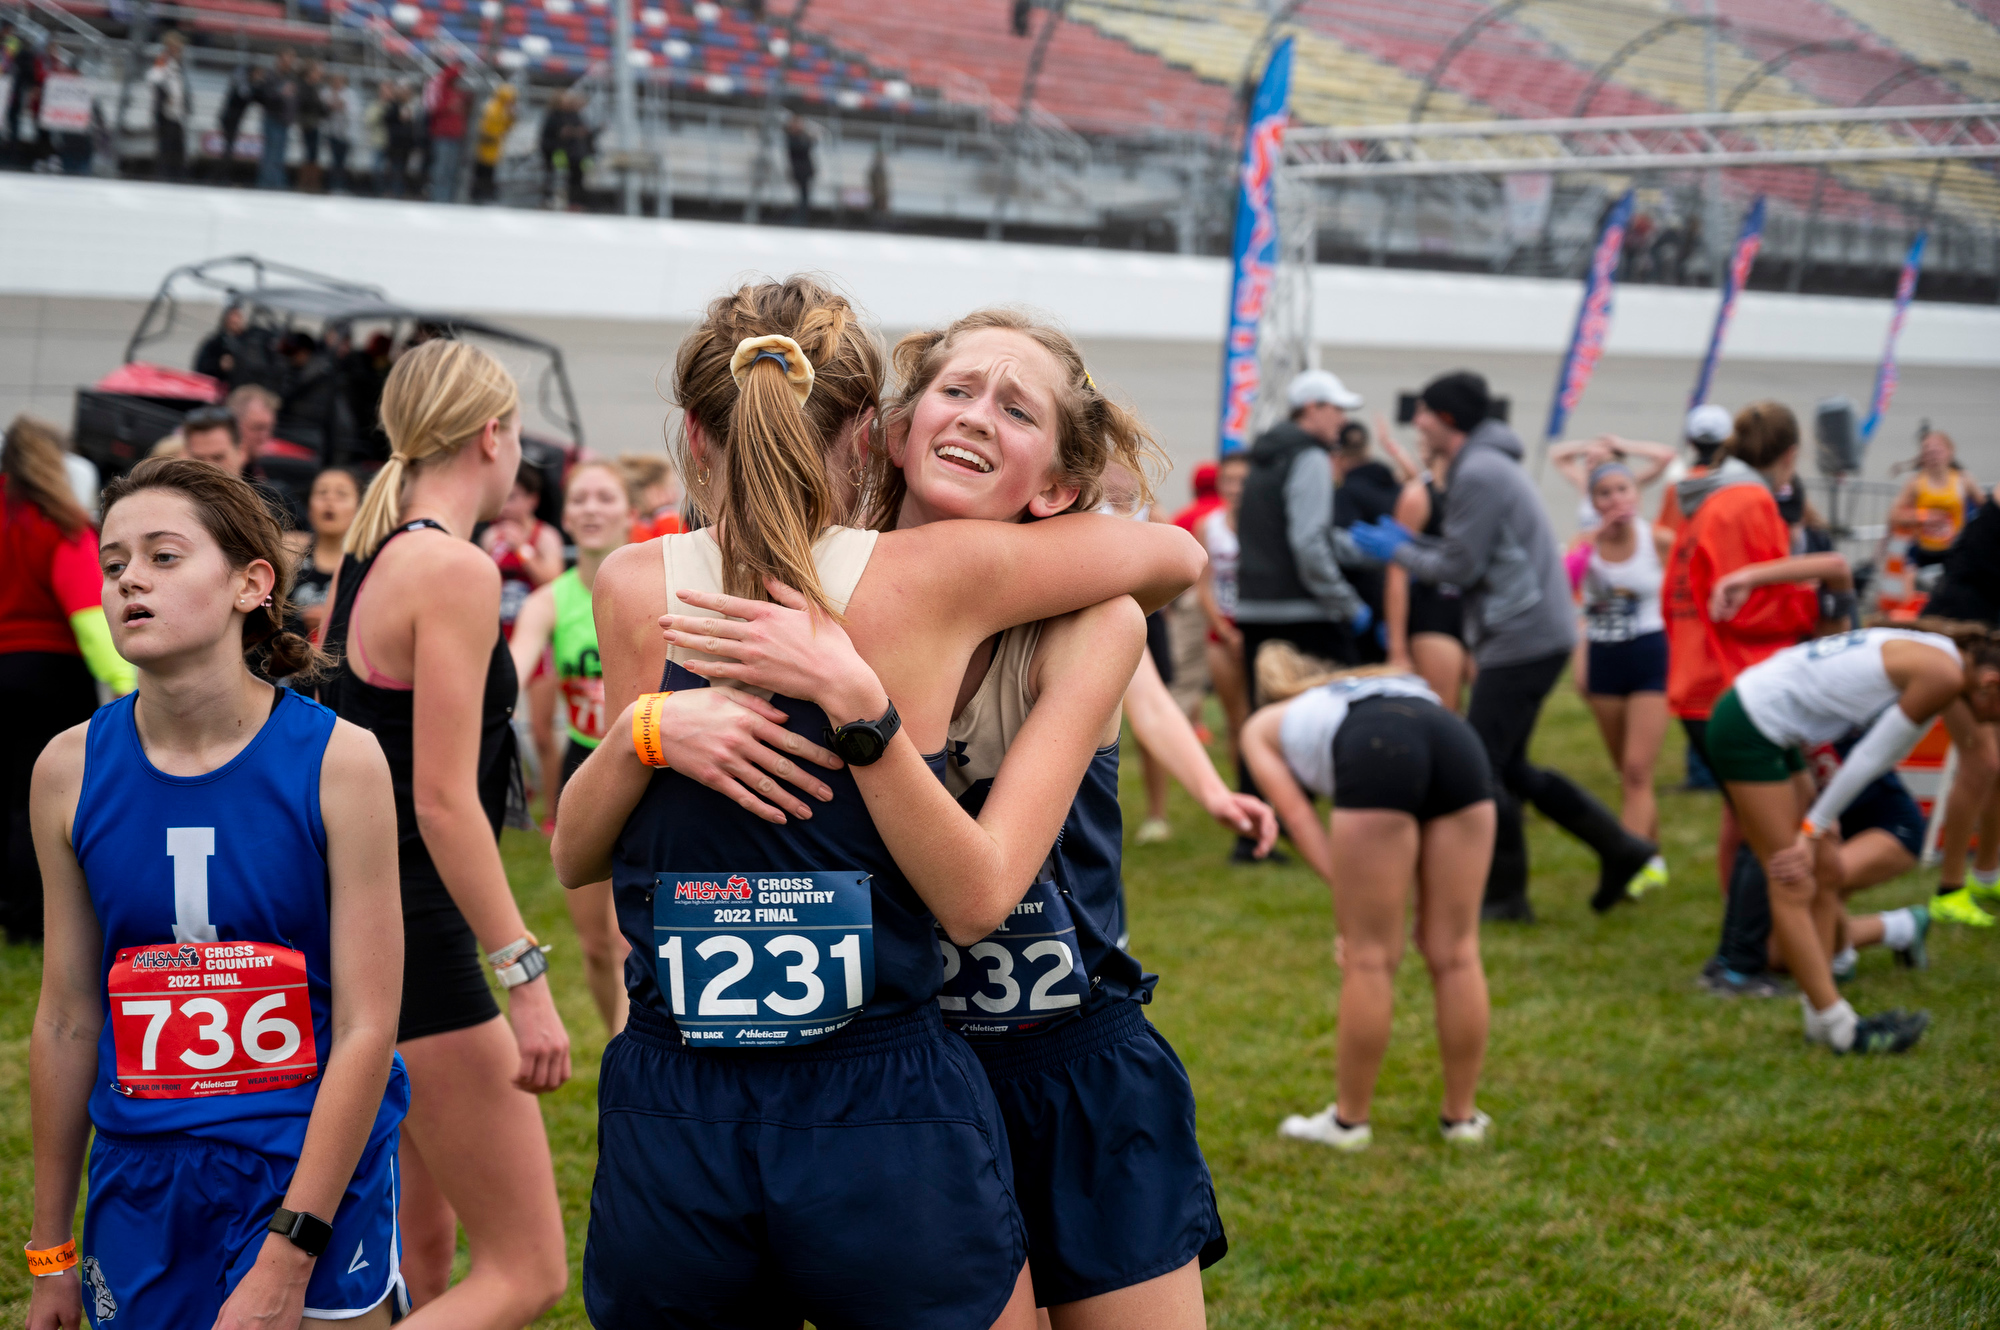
[[780, 348], [1089, 382]]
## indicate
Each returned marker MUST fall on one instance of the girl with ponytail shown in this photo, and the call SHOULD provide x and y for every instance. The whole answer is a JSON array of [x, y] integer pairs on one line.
[[415, 618], [210, 821], [912, 1218]]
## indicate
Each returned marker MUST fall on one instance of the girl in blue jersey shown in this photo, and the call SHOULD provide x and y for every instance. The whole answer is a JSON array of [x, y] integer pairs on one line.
[[1119, 1206], [854, 1170], [218, 992]]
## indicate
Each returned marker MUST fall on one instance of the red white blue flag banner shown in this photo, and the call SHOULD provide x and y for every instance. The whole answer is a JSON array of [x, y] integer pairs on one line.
[[1255, 252], [1885, 377], [1593, 317], [1741, 260]]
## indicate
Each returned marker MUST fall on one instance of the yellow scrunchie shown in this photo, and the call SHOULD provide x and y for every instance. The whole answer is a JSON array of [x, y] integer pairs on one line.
[[798, 369]]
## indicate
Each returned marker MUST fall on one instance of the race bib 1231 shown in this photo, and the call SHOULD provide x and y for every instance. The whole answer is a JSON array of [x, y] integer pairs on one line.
[[763, 960]]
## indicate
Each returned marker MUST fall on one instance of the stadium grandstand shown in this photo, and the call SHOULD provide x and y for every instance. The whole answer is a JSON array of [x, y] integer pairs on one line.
[[1113, 122]]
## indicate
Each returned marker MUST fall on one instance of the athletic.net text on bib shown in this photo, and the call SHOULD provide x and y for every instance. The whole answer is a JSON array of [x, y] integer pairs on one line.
[[195, 1019], [763, 960], [1021, 978]]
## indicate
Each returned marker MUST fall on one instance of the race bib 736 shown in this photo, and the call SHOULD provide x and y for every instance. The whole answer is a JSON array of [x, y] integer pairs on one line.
[[196, 1019]]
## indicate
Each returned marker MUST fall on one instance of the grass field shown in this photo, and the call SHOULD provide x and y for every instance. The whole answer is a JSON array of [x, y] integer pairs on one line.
[[1661, 1158]]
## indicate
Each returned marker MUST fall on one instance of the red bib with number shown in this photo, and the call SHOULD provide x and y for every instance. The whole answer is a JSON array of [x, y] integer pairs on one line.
[[197, 1019]]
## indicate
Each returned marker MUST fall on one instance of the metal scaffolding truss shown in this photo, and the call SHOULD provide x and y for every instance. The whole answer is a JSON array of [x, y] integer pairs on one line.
[[1685, 142]]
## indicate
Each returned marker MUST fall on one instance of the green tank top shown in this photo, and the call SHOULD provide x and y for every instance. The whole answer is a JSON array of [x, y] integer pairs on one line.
[[578, 673]]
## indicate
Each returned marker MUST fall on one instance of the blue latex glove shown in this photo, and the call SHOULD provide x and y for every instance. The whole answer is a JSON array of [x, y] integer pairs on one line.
[[1380, 539], [1363, 617], [1382, 634]]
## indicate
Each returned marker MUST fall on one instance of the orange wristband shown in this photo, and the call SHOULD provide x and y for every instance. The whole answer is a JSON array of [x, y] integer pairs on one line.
[[52, 1260], [646, 729]]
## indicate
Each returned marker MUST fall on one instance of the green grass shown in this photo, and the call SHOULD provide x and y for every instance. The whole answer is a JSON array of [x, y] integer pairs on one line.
[[1661, 1158]]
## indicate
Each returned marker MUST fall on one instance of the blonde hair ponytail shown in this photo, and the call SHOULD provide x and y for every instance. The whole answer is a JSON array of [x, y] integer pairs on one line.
[[1284, 671], [438, 398], [763, 473]]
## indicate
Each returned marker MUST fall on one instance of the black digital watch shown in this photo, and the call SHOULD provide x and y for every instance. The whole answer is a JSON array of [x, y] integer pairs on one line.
[[864, 741], [308, 1232]]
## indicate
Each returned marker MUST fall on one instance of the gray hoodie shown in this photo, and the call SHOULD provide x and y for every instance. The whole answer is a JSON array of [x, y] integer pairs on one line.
[[1497, 545]]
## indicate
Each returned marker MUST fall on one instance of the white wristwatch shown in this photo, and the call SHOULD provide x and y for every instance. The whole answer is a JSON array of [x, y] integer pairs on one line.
[[519, 962]]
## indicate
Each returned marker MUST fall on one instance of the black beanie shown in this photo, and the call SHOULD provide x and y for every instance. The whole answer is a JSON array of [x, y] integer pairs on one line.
[[1461, 397]]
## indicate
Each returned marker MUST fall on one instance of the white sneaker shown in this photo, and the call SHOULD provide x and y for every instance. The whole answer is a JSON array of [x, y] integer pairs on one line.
[[1152, 831], [1326, 1129], [1472, 1131]]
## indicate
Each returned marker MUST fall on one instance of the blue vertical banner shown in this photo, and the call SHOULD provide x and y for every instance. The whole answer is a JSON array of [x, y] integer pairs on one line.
[[1593, 317], [1254, 262], [1885, 377], [1741, 259]]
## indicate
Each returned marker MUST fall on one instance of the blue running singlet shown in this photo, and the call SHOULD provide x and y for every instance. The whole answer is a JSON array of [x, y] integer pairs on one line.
[[1059, 956], [211, 892], [786, 1130]]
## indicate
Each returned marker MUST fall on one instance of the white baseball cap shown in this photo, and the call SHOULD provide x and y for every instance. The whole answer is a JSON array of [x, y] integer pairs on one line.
[[1709, 423], [1318, 385]]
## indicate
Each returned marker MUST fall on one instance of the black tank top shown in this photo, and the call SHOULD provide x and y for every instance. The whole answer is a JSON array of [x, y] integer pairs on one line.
[[388, 713], [682, 825]]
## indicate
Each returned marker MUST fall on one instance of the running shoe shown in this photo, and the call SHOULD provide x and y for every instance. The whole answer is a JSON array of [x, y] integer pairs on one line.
[[1472, 1131], [1722, 981], [1916, 956], [1844, 965], [1245, 852], [1512, 910], [1152, 831], [1889, 1031], [1984, 891], [1958, 907], [1653, 877], [1325, 1128]]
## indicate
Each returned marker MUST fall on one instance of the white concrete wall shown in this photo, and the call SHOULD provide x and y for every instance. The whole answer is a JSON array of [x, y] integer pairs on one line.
[[95, 238]]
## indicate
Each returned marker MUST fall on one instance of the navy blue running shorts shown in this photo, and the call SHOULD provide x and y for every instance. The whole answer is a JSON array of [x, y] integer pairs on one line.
[[1886, 805], [862, 1181], [172, 1223], [1100, 1118], [1620, 669]]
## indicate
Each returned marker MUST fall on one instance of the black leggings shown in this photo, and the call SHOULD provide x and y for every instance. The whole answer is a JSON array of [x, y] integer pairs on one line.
[[42, 693], [1407, 755], [1506, 703]]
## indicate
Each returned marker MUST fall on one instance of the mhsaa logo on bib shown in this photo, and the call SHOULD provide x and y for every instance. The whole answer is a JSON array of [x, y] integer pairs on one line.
[[735, 889]]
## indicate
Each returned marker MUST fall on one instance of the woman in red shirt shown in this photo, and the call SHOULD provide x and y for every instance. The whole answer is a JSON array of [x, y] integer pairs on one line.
[[53, 639], [1732, 533]]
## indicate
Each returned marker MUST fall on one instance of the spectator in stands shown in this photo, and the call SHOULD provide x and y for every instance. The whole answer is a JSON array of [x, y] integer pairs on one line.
[[496, 122], [565, 144], [342, 124], [277, 94], [799, 140], [445, 114], [236, 104], [393, 135], [26, 69], [1018, 20], [311, 113], [168, 82], [1935, 502], [878, 188], [1497, 547]]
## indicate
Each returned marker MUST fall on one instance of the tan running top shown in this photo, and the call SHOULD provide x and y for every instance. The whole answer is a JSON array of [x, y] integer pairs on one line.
[[693, 562], [977, 741]]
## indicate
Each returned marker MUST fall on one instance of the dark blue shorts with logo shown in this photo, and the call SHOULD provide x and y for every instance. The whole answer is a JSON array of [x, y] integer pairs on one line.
[[172, 1223], [862, 1181], [1100, 1119]]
